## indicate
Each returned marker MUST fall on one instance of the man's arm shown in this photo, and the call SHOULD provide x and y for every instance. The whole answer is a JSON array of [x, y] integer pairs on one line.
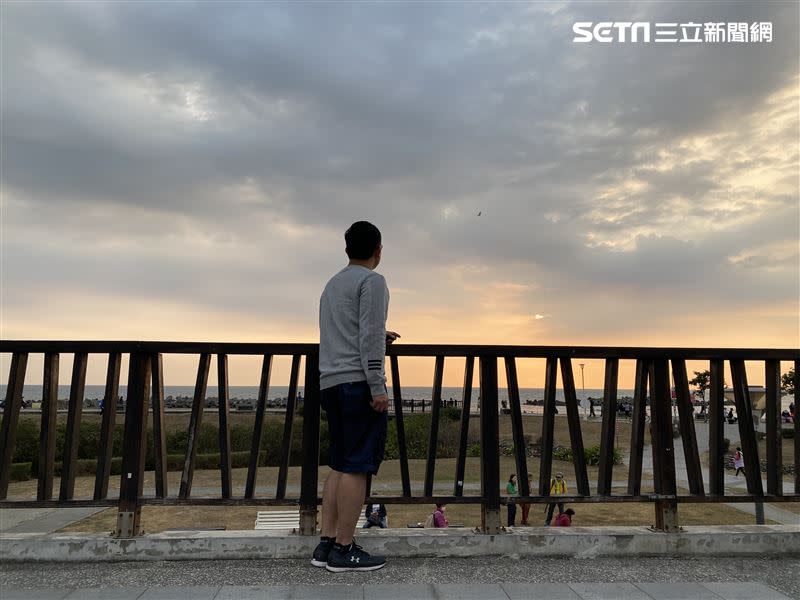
[[372, 307]]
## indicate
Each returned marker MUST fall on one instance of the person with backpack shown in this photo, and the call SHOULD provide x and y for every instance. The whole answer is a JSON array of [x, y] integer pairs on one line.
[[558, 487], [738, 462], [511, 490]]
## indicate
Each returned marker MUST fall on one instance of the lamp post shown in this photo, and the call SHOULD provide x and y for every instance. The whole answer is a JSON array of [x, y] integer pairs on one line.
[[583, 384]]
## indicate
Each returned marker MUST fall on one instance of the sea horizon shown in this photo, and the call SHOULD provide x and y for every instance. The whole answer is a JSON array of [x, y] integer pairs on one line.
[[33, 392]]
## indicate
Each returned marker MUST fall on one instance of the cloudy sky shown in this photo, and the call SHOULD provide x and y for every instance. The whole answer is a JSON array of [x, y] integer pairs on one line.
[[181, 171]]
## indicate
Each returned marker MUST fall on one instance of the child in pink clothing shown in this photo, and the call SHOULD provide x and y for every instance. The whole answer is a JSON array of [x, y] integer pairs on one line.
[[565, 518], [439, 518]]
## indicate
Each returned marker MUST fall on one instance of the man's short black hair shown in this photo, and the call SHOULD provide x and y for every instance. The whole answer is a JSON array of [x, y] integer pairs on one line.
[[362, 239]]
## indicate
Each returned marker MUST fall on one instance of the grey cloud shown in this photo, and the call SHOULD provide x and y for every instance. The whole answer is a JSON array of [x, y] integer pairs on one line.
[[393, 111]]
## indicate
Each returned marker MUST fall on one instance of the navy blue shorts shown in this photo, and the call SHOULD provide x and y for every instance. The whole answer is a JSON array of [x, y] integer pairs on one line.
[[357, 432]]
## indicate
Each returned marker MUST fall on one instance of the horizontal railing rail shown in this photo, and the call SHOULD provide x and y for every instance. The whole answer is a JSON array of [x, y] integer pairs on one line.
[[660, 373]]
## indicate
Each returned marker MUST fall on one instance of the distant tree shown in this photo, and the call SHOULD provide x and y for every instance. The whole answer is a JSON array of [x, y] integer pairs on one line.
[[702, 381], [787, 382]]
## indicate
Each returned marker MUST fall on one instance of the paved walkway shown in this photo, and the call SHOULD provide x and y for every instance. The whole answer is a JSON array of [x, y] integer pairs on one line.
[[733, 485], [42, 520], [505, 591], [421, 578]]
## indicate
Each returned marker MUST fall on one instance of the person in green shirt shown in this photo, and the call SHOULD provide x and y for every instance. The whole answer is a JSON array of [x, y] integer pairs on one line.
[[511, 490]]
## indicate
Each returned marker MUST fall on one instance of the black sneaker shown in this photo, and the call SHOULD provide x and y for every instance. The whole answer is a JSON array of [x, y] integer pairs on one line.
[[322, 552], [353, 559]]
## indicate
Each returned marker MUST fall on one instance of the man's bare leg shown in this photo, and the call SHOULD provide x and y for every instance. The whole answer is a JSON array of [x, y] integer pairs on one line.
[[330, 514], [351, 491]]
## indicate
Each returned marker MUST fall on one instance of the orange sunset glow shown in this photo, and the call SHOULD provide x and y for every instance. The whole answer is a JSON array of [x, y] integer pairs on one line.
[[530, 191]]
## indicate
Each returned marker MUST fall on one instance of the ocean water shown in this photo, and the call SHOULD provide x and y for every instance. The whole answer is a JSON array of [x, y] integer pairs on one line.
[[419, 393], [242, 392]]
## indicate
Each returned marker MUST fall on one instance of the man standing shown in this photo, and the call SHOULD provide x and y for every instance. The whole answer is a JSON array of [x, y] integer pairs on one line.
[[352, 348]]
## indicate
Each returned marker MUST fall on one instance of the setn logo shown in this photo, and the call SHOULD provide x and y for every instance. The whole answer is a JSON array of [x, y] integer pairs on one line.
[[604, 31]]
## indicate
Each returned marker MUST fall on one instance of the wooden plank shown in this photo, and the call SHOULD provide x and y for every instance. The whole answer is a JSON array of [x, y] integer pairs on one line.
[[574, 420], [159, 426], [47, 428], [309, 476], [8, 431], [463, 438], [797, 427], [224, 426], [661, 429], [286, 445], [109, 423], [548, 426], [606, 467], [433, 438], [774, 449], [134, 442], [401, 430], [72, 437], [688, 435], [415, 500], [431, 350], [258, 427], [520, 455], [195, 421], [637, 427], [490, 452], [747, 435], [716, 429]]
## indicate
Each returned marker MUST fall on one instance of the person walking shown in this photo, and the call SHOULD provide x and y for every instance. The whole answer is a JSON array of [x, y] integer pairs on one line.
[[352, 348], [738, 462], [526, 506], [511, 490], [558, 487]]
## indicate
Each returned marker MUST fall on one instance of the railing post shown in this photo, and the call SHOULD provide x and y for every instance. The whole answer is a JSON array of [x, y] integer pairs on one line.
[[466, 399], [309, 475], [47, 431], [134, 446], [774, 446], [436, 404], [663, 451], [490, 449], [11, 410], [716, 428]]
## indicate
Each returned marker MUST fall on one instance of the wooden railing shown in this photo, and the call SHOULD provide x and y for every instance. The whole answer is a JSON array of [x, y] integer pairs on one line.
[[656, 370]]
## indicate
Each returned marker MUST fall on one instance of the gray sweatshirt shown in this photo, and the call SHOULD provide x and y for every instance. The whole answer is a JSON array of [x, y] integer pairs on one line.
[[352, 329]]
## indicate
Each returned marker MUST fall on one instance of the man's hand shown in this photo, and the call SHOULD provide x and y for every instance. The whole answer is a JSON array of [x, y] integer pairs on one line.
[[391, 336], [380, 403]]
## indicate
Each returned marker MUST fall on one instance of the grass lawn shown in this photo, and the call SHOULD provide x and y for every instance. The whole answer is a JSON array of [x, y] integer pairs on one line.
[[388, 481], [158, 518], [790, 506], [207, 483], [532, 424]]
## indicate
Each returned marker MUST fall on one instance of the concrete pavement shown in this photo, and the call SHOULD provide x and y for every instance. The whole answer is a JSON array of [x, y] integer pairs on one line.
[[507, 591], [658, 578], [43, 520], [574, 542]]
